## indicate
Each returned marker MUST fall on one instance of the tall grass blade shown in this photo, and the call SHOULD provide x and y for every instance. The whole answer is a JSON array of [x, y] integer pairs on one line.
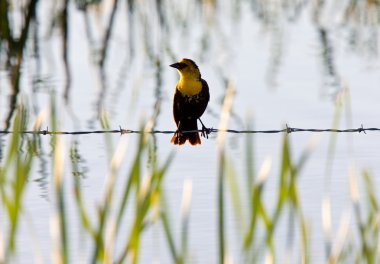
[[185, 208], [326, 211], [257, 206], [148, 195], [104, 208], [250, 162], [168, 234], [59, 223], [237, 206], [226, 111], [13, 185], [133, 179]]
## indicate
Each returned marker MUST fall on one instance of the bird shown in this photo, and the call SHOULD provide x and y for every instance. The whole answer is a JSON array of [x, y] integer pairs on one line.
[[191, 97]]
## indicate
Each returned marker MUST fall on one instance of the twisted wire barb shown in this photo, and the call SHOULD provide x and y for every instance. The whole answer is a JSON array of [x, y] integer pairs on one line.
[[122, 131]]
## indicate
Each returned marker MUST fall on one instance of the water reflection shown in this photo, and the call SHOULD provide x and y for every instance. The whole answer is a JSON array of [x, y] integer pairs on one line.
[[13, 49], [162, 19], [276, 56], [78, 162], [42, 179], [362, 19], [157, 107], [332, 80], [149, 30]]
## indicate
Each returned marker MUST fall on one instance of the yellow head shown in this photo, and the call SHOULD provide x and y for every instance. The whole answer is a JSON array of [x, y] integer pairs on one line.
[[189, 83], [187, 69]]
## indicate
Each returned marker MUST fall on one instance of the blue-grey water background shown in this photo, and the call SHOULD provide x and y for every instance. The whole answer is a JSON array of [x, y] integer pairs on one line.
[[287, 64]]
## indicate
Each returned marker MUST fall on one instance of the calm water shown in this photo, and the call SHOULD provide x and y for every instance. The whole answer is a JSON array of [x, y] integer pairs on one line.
[[287, 64]]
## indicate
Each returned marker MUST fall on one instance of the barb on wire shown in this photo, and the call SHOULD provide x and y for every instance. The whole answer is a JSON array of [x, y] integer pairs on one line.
[[122, 131]]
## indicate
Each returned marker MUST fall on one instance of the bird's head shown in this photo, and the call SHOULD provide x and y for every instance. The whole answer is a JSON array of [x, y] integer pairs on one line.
[[187, 69]]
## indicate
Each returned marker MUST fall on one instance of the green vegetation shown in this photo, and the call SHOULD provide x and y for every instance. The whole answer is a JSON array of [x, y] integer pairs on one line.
[[144, 194]]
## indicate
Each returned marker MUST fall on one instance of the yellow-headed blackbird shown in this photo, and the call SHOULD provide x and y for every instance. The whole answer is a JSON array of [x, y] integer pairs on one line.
[[191, 97]]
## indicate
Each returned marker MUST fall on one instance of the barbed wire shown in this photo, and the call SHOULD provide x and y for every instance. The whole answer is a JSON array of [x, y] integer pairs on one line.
[[208, 131]]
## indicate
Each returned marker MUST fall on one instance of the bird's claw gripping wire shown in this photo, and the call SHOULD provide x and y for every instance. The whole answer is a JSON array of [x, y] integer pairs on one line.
[[205, 131]]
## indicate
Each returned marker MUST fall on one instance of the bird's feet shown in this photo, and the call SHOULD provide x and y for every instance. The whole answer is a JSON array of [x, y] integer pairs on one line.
[[205, 131]]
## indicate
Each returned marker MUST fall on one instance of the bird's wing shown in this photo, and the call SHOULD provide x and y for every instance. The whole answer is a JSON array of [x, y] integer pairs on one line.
[[177, 101]]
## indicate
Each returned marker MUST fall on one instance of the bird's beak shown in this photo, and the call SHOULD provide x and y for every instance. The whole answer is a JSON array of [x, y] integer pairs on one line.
[[178, 65]]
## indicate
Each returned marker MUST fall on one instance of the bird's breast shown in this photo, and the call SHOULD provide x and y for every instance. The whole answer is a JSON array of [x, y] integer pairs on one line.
[[189, 87]]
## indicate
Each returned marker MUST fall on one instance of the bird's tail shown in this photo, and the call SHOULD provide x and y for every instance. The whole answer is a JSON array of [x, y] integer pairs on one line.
[[180, 138]]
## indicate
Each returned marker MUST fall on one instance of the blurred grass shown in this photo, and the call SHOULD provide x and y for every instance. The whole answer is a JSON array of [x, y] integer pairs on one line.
[[59, 225], [221, 141], [255, 245], [14, 179], [258, 220]]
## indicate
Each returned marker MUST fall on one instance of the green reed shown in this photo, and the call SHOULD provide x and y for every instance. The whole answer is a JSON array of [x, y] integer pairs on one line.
[[142, 191], [14, 173]]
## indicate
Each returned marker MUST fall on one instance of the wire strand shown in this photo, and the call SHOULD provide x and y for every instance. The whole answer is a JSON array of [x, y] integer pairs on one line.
[[208, 131]]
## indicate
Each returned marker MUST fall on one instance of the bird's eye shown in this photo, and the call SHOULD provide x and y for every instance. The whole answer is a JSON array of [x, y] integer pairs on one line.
[[182, 66]]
